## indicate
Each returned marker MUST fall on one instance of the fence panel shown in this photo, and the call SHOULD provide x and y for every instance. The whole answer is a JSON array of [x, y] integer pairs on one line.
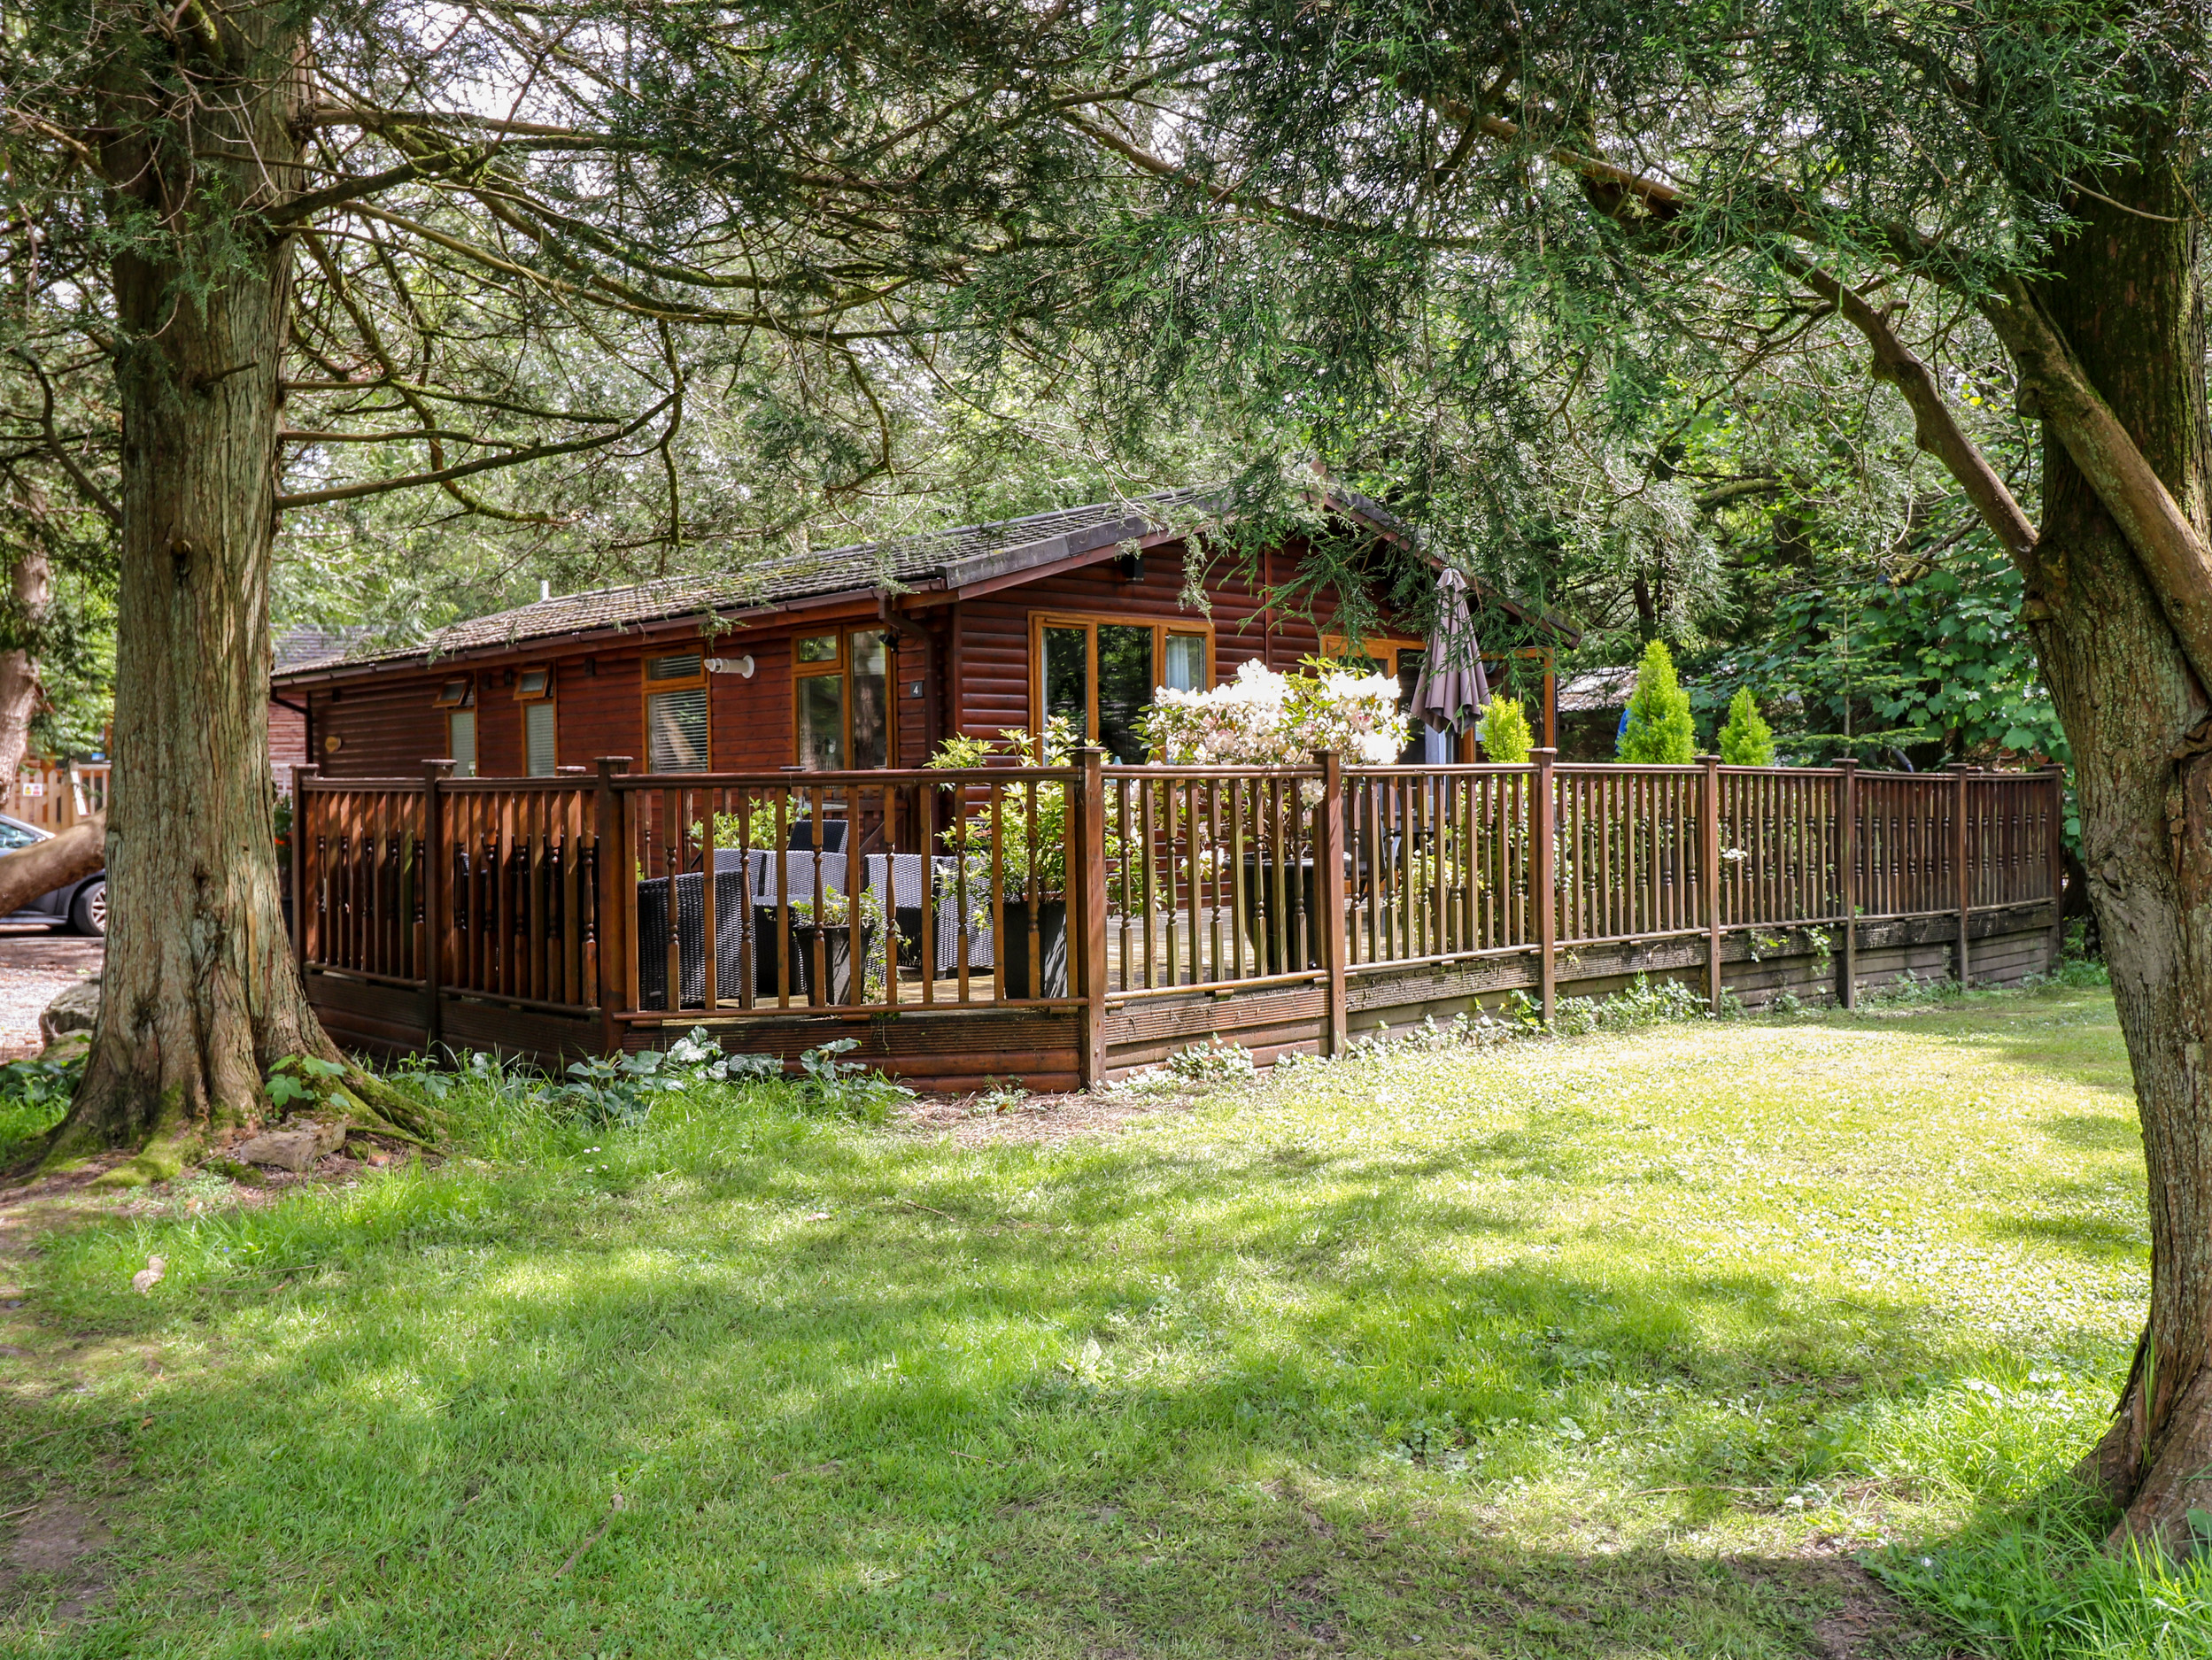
[[1212, 877], [1782, 846], [1629, 848], [948, 889], [520, 916], [361, 848]]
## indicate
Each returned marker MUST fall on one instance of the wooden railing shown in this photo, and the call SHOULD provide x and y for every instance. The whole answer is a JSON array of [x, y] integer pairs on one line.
[[1444, 864], [1089, 887], [867, 891]]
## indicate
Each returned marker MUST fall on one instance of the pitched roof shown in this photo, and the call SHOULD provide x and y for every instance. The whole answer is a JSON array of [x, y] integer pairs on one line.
[[295, 648], [937, 559], [1597, 688]]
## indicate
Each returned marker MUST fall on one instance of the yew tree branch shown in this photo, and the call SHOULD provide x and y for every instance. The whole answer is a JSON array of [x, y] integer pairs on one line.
[[1934, 424], [483, 464], [2172, 554]]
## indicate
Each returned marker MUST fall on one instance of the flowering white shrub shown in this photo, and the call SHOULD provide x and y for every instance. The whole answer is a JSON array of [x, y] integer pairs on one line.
[[1264, 719]]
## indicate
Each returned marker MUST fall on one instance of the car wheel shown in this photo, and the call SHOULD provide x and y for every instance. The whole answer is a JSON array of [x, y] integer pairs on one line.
[[88, 912]]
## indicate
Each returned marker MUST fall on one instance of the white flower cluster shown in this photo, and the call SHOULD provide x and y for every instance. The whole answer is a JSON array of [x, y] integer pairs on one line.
[[1264, 719]]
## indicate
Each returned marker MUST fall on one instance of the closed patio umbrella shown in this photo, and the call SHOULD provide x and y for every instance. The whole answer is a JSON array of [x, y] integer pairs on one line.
[[1452, 688]]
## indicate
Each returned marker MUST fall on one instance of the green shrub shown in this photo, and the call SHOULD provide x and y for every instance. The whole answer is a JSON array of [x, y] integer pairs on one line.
[[1505, 737], [1660, 732], [1746, 740]]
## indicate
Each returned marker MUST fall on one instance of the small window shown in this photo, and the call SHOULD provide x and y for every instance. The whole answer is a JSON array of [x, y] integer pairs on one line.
[[818, 648], [1186, 663], [15, 836], [537, 738], [676, 713], [534, 684], [461, 742], [455, 694]]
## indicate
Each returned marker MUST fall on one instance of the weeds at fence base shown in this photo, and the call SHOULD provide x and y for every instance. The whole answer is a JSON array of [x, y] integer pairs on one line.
[[495, 1097]]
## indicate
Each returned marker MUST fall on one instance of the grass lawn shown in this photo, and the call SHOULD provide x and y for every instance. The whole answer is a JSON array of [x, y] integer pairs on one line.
[[1614, 1345]]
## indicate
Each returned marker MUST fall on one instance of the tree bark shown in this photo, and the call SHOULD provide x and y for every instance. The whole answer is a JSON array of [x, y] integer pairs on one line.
[[2125, 293], [201, 995], [31, 580]]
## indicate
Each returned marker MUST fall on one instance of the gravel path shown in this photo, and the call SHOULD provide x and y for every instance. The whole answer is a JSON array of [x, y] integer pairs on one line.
[[35, 965]]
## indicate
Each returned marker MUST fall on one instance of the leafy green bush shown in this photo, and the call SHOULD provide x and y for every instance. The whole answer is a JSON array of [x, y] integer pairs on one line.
[[1660, 732], [1505, 736], [1746, 740], [35, 1094]]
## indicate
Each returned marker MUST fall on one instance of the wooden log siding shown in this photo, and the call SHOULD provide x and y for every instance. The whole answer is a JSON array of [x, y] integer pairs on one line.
[[1328, 885]]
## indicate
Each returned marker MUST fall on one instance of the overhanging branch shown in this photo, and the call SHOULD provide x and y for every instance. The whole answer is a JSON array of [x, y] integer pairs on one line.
[[1936, 426], [485, 463]]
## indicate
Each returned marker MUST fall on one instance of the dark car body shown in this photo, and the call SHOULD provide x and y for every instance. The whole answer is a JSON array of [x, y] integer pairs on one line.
[[81, 905]]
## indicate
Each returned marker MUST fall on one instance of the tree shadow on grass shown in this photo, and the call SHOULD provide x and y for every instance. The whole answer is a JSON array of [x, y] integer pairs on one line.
[[934, 1417]]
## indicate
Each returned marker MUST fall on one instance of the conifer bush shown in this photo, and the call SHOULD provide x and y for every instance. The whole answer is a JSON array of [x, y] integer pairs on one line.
[[1505, 736], [1659, 733], [1746, 740]]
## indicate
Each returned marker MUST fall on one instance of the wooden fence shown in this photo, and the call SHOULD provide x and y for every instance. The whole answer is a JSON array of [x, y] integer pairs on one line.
[[55, 794], [1064, 924]]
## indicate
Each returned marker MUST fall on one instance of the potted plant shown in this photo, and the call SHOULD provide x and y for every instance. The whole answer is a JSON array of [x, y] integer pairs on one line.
[[1043, 973], [826, 977]]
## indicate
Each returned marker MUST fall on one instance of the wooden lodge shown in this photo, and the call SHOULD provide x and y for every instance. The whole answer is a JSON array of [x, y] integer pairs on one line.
[[586, 825], [860, 658]]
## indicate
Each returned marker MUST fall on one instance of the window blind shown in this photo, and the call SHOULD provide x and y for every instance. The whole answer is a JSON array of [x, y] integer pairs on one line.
[[676, 730], [538, 739]]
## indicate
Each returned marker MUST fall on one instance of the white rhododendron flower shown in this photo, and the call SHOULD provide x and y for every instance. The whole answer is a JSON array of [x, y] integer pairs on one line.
[[1264, 719]]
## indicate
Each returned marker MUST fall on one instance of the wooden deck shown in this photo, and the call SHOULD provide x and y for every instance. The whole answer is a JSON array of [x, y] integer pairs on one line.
[[1141, 908]]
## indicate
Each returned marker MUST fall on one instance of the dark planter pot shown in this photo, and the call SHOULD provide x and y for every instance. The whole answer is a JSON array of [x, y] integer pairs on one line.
[[1275, 896], [1052, 948], [836, 979]]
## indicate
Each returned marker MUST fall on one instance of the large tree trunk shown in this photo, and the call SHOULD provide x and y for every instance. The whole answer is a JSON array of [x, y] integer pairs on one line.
[[2126, 293], [200, 993]]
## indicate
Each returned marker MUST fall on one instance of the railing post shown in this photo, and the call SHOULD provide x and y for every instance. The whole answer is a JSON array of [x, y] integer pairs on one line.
[[1711, 854], [1847, 876], [300, 774], [433, 881], [1090, 851], [1958, 871], [613, 859], [1328, 893], [1543, 881], [2054, 856]]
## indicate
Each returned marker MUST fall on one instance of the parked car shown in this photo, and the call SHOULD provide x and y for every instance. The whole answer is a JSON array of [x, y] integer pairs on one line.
[[81, 905]]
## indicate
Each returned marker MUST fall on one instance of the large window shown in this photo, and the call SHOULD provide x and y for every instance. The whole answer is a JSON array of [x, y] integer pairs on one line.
[[841, 699], [1099, 674], [534, 690], [676, 712]]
